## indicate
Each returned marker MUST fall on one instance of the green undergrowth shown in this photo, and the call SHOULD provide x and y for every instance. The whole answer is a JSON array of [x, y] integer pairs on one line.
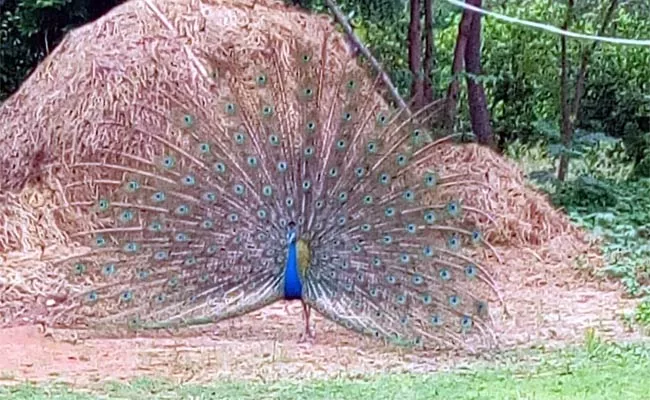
[[596, 370], [602, 195]]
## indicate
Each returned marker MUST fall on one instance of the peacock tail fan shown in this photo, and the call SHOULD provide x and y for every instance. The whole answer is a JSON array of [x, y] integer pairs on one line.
[[280, 175]]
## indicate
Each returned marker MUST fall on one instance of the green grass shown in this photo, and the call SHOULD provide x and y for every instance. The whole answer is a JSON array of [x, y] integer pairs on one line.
[[596, 371]]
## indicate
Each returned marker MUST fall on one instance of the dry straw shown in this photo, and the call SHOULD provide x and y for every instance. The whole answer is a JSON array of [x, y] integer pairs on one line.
[[148, 46]]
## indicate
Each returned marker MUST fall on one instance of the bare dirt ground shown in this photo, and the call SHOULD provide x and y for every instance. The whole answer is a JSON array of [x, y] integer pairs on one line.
[[553, 308]]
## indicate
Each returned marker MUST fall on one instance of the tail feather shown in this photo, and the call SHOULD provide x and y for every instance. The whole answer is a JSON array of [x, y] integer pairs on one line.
[[191, 225]]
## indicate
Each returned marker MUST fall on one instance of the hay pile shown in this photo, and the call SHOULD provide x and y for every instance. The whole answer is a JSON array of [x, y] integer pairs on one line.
[[106, 62]]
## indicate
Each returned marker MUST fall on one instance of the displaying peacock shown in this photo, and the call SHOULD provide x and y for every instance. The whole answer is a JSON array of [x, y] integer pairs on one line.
[[279, 174]]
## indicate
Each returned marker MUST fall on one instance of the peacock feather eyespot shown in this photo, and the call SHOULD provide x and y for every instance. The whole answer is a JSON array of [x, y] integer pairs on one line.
[[182, 209], [130, 247], [261, 80], [360, 172], [209, 197], [267, 111], [204, 148], [126, 216], [239, 189], [391, 279], [445, 275], [382, 119], [267, 191], [158, 197], [207, 224], [212, 249], [100, 241], [306, 58], [453, 209], [466, 322], [132, 186], [427, 251], [239, 138], [411, 228], [168, 162], [282, 166], [261, 214], [404, 320], [436, 320], [453, 243], [233, 217], [289, 202], [389, 212], [400, 299], [376, 262], [189, 261], [126, 296], [404, 258], [342, 220], [306, 185], [341, 144], [188, 180], [481, 307], [343, 197], [319, 204], [103, 204], [173, 282], [309, 151], [220, 167], [108, 269], [79, 268], [430, 180], [427, 299], [143, 274], [356, 248], [92, 296], [368, 199], [372, 147], [333, 172], [308, 93], [373, 292], [454, 300], [155, 226], [351, 84], [230, 108], [161, 255], [387, 239], [417, 279], [160, 298], [470, 271], [384, 179], [188, 121], [310, 127], [476, 236], [408, 195], [274, 140], [401, 160], [181, 237]]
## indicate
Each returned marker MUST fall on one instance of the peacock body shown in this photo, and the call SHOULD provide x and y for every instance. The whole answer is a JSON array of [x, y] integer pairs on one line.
[[278, 175]]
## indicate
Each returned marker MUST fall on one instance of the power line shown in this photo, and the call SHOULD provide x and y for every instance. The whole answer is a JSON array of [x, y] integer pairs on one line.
[[550, 28]]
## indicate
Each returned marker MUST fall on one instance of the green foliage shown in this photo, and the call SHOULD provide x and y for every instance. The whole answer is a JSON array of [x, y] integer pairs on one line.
[[29, 29]]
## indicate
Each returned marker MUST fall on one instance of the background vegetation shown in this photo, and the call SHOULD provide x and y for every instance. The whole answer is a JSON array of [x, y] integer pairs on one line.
[[608, 186]]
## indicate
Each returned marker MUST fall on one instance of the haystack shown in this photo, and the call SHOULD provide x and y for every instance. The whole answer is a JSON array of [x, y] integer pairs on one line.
[[140, 45]]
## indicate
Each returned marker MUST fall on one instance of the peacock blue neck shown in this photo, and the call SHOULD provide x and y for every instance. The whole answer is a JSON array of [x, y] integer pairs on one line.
[[292, 282]]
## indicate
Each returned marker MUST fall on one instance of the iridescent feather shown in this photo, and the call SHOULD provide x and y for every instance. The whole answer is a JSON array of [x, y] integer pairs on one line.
[[285, 177]]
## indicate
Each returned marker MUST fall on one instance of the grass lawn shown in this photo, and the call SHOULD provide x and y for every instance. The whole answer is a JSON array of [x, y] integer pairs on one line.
[[594, 371]]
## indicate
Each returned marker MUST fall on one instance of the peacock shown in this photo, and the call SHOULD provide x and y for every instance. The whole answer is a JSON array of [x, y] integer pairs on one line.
[[278, 174]]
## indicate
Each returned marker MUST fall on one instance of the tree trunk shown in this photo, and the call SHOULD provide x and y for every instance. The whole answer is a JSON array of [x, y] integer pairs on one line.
[[570, 113], [567, 128], [429, 53], [478, 109], [453, 91], [415, 56]]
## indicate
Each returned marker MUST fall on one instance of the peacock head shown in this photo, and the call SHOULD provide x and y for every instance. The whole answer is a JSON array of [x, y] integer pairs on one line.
[[291, 233]]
